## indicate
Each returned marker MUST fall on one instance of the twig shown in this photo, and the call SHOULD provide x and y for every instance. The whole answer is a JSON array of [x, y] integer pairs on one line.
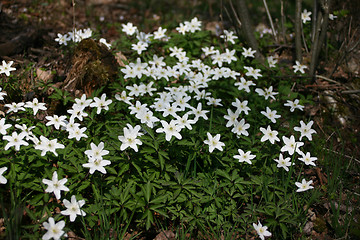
[[330, 136], [351, 91], [235, 14], [270, 20], [73, 3], [343, 155], [327, 79], [303, 38]]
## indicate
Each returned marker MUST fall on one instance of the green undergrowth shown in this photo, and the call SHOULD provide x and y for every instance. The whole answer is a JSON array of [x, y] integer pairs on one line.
[[190, 184]]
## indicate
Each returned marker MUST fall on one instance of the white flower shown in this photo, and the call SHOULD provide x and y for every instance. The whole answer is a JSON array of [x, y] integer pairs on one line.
[[307, 159], [170, 109], [240, 128], [184, 121], [54, 230], [26, 130], [305, 130], [82, 103], [229, 36], [193, 25], [261, 230], [77, 111], [160, 33], [15, 107], [243, 84], [97, 165], [198, 112], [139, 47], [3, 180], [56, 120], [3, 126], [35, 105], [2, 94], [244, 157], [294, 104], [182, 28], [170, 129], [130, 137], [6, 68], [241, 106], [143, 37], [269, 134], [332, 16], [46, 145], [214, 101], [15, 140], [138, 109], [147, 117], [272, 61], [62, 39], [229, 56], [283, 162], [55, 185], [231, 117], [96, 152], [103, 41], [270, 114], [129, 28], [101, 103], [304, 185], [268, 92], [217, 58], [305, 16], [214, 142], [123, 97], [136, 90], [73, 208], [208, 50], [255, 73], [291, 145], [77, 133], [248, 52], [299, 67]]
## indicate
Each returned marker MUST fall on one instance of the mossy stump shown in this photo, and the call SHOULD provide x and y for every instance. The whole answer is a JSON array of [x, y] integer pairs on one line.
[[92, 66]]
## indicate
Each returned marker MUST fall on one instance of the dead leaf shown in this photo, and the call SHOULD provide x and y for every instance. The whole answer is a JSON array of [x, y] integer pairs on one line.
[[120, 58], [44, 76]]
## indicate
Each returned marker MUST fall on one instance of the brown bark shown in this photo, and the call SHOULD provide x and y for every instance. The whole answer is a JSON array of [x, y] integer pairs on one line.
[[298, 46], [247, 28]]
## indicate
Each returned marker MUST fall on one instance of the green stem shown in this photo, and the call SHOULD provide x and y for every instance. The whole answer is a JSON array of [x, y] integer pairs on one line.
[[211, 117]]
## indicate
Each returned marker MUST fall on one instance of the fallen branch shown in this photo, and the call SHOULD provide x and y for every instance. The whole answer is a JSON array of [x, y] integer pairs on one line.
[[351, 91]]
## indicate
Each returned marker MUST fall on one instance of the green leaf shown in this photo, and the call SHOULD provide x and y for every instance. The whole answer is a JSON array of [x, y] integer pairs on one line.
[[159, 199], [162, 161], [185, 142], [223, 174], [147, 191]]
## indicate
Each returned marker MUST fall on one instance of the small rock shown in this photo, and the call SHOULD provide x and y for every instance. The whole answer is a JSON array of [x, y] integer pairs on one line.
[[308, 228], [165, 235]]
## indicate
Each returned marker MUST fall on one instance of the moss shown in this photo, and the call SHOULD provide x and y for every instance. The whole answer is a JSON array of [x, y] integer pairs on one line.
[[320, 225], [88, 45], [93, 66]]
